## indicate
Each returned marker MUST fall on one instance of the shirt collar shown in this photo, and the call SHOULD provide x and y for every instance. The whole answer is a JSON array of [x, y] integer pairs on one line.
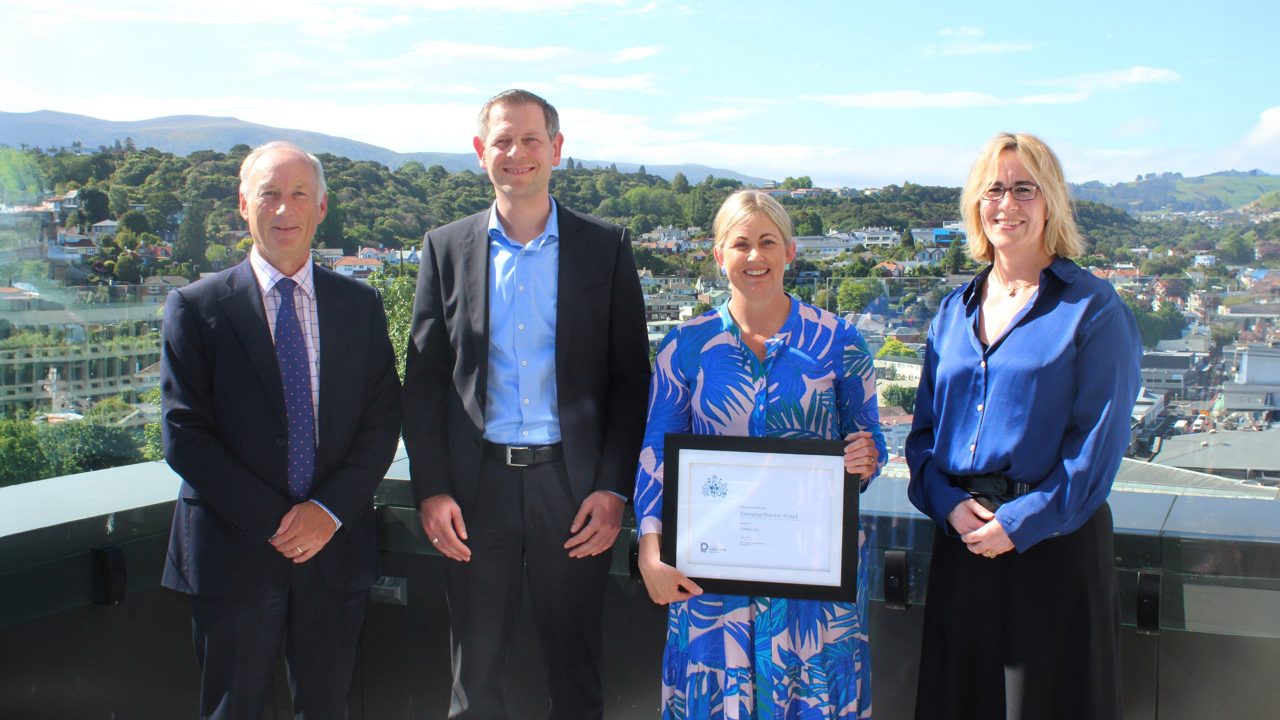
[[267, 275], [1062, 268], [550, 232], [728, 325]]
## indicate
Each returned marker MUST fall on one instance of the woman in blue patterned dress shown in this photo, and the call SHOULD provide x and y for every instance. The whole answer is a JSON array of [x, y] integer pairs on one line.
[[764, 364]]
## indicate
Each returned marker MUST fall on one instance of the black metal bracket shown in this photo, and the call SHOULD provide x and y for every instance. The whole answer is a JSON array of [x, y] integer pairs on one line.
[[895, 579], [1148, 611], [110, 579]]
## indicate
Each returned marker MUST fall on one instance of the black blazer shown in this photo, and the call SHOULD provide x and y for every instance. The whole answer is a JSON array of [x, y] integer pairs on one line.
[[601, 355], [224, 432]]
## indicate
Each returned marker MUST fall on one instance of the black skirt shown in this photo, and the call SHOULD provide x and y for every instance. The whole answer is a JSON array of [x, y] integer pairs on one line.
[[1024, 636]]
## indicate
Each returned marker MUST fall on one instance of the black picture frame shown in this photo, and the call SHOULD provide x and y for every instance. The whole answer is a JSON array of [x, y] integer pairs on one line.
[[733, 449]]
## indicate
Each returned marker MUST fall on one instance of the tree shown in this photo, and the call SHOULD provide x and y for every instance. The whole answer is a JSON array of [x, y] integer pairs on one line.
[[896, 348], [135, 221], [1224, 334], [118, 196], [397, 301], [679, 184], [24, 459], [641, 171], [94, 205], [128, 268], [955, 259], [808, 222], [903, 396], [192, 242], [75, 447], [856, 295], [569, 165], [908, 240]]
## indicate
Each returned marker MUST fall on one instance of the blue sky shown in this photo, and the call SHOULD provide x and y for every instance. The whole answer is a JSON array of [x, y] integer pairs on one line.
[[851, 93]]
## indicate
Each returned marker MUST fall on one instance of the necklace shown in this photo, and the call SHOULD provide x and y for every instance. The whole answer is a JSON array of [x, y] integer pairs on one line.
[[1011, 289]]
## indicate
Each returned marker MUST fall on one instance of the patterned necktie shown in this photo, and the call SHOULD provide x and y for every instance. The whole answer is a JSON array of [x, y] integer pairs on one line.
[[295, 375]]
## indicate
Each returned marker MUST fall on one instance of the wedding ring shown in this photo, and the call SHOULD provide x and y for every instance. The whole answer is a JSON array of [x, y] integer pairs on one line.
[[299, 549], [435, 541]]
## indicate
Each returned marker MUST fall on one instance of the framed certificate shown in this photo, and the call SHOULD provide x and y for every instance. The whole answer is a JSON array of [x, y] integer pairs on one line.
[[761, 516]]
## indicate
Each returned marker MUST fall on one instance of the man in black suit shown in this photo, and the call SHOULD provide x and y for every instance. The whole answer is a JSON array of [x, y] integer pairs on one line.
[[281, 414], [524, 408]]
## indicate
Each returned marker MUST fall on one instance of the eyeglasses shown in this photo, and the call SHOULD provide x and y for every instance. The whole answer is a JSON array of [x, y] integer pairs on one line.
[[1022, 192]]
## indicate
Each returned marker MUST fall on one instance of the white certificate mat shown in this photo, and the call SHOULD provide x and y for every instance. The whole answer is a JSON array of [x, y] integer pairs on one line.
[[765, 515]]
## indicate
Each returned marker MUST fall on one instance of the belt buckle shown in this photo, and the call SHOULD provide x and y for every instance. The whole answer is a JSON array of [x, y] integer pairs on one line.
[[510, 463]]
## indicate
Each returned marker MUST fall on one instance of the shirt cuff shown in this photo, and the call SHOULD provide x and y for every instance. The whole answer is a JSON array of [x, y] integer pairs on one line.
[[337, 523]]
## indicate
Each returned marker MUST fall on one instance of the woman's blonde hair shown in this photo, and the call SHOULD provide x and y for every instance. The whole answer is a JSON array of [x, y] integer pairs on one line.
[[743, 205], [1061, 236]]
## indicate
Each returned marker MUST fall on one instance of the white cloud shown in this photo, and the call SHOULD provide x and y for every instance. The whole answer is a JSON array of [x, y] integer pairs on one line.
[[1138, 127], [642, 10], [980, 49], [716, 116], [644, 82], [963, 41], [1259, 148], [909, 99], [453, 50], [1117, 79], [966, 32], [1083, 87], [1266, 134], [635, 53]]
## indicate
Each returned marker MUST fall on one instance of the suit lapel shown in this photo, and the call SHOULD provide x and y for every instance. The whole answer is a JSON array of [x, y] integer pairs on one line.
[[243, 307], [475, 278], [572, 273], [333, 311]]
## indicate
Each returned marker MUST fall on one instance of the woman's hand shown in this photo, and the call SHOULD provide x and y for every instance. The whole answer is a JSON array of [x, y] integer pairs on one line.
[[860, 454], [664, 583], [990, 540], [968, 516]]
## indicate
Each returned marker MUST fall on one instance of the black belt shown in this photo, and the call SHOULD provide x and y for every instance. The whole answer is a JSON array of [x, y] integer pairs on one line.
[[523, 455], [992, 489]]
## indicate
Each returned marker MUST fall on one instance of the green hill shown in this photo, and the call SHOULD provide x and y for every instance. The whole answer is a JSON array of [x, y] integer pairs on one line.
[[1171, 191]]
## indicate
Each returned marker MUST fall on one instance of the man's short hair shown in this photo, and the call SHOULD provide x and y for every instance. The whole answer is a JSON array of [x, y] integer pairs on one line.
[[518, 97], [246, 167]]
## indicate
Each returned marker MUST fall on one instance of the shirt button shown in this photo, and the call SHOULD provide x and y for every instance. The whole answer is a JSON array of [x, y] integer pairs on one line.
[[525, 433], [979, 407], [520, 326], [983, 364], [524, 363], [520, 288], [526, 401], [973, 448]]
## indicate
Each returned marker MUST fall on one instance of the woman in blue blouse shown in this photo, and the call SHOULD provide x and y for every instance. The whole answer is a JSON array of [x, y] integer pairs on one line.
[[1021, 419], [764, 364]]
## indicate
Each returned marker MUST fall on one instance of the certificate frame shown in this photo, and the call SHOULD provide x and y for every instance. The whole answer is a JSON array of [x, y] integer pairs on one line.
[[761, 516]]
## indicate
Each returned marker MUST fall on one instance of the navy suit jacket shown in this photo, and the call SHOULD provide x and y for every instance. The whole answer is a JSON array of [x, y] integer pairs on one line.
[[224, 432], [601, 356]]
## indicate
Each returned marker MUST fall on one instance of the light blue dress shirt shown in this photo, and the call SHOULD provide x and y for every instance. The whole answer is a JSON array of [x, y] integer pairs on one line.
[[523, 285]]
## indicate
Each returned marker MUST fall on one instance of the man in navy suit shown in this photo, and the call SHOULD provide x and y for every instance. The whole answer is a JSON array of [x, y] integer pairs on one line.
[[524, 399], [273, 534]]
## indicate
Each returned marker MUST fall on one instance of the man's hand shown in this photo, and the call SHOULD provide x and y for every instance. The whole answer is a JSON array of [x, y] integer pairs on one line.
[[442, 522], [596, 525], [303, 532]]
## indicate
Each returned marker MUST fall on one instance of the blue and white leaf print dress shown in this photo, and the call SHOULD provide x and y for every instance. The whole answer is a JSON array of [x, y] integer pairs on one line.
[[757, 657]]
